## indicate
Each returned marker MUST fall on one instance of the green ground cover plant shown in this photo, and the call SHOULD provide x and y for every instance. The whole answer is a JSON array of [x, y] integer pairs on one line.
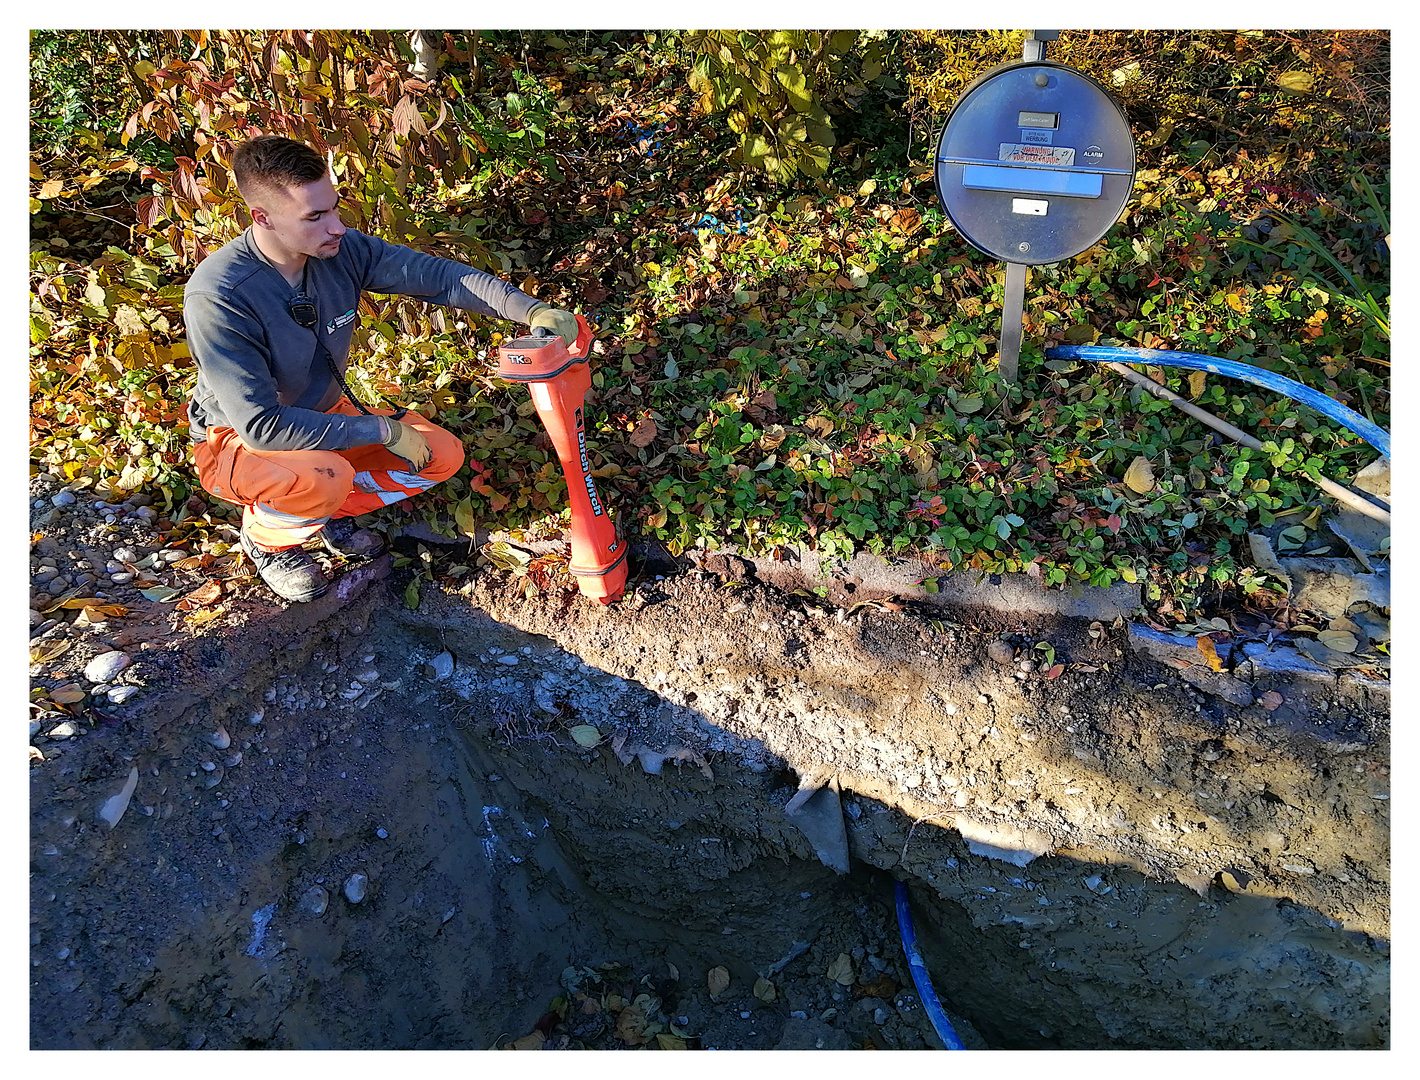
[[785, 355]]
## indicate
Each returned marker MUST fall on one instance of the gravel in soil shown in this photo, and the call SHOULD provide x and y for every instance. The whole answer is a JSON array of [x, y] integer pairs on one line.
[[305, 829]]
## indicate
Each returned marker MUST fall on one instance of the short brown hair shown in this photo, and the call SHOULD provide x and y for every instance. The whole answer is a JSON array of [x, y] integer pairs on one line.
[[271, 162]]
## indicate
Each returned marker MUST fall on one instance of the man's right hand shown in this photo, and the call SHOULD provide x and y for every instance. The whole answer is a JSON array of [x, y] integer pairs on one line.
[[406, 442]]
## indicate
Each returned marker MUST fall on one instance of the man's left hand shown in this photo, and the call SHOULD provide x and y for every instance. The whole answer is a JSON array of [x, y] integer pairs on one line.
[[558, 321]]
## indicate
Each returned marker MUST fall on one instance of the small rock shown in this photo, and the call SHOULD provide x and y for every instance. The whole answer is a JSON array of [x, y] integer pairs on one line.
[[1002, 652], [314, 901], [441, 667], [119, 694], [105, 666], [508, 659], [66, 730], [125, 555], [121, 578], [355, 887], [64, 498]]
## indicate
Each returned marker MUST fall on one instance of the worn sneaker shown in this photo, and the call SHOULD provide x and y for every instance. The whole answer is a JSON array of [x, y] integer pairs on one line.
[[341, 536], [291, 574]]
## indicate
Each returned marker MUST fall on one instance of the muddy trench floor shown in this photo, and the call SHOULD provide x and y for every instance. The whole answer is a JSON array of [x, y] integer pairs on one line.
[[525, 822]]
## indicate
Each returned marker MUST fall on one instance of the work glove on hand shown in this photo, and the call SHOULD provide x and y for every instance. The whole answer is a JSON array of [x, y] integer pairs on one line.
[[558, 321], [405, 442]]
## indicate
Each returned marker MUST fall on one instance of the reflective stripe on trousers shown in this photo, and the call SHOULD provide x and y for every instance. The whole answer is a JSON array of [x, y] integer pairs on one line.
[[289, 495]]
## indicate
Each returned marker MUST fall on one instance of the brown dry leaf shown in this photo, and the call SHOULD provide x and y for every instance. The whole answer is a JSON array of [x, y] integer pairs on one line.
[[764, 990], [631, 1026], [43, 654], [718, 981], [684, 753], [1210, 653], [1342, 641], [531, 1041], [819, 425], [765, 399], [670, 1042], [774, 435], [841, 970], [1055, 672], [35, 755], [71, 694], [884, 986], [1140, 475], [1271, 700], [906, 221], [645, 433], [1197, 383], [202, 597], [69, 603]]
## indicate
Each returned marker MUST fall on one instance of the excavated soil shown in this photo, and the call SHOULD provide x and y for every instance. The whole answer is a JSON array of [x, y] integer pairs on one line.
[[506, 819]]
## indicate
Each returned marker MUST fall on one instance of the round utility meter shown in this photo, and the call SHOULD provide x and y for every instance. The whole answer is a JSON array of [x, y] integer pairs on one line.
[[1035, 162]]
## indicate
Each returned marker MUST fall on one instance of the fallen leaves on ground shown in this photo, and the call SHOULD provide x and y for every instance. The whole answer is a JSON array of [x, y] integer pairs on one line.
[[717, 981], [841, 970], [1140, 476], [585, 735], [203, 597], [645, 433], [1210, 653], [1270, 700], [631, 1026]]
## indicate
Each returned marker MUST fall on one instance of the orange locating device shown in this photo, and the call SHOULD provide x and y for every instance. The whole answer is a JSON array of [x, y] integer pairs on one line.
[[558, 379]]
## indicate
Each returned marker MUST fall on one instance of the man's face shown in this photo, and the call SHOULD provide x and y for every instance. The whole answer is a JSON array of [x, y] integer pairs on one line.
[[304, 220]]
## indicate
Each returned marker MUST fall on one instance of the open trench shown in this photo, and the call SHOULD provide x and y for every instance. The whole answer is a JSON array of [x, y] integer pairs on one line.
[[338, 839]]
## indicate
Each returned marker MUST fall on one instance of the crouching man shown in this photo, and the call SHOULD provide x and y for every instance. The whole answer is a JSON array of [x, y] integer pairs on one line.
[[269, 321]]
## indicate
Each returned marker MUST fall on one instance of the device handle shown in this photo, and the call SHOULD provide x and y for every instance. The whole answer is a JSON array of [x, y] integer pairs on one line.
[[582, 347]]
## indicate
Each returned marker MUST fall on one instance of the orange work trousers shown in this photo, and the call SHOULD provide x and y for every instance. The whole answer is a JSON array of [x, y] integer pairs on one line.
[[287, 496]]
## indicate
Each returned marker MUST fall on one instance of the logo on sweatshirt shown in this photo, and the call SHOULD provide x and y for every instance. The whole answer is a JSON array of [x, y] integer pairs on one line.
[[339, 321]]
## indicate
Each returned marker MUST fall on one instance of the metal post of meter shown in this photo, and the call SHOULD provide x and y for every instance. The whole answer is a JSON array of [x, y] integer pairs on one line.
[[1012, 313], [1034, 48]]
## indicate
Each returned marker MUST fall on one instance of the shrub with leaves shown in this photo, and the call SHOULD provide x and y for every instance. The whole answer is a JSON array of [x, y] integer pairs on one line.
[[772, 87]]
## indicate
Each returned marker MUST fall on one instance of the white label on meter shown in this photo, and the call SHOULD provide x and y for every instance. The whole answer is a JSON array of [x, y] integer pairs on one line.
[[1034, 207], [1036, 155]]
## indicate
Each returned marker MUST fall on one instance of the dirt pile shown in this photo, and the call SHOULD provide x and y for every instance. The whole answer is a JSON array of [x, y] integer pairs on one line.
[[500, 819]]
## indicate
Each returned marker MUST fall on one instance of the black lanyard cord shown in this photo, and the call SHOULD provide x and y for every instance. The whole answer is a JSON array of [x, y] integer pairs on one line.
[[310, 319]]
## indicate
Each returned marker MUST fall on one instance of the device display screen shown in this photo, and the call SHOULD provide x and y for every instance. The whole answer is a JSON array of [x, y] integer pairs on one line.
[[1030, 119]]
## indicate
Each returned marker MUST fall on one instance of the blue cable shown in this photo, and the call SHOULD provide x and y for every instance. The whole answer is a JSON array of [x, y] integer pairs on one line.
[[920, 978], [1374, 434]]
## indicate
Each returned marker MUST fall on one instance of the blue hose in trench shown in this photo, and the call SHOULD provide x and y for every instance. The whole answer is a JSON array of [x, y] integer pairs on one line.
[[920, 978], [1327, 406]]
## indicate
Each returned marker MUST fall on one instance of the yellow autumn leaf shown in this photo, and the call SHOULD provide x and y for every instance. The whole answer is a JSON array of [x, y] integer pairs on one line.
[[1140, 475], [52, 650], [1210, 653], [1234, 301], [1197, 383]]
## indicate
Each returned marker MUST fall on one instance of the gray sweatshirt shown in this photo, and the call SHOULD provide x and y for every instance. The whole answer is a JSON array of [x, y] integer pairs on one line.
[[261, 373]]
